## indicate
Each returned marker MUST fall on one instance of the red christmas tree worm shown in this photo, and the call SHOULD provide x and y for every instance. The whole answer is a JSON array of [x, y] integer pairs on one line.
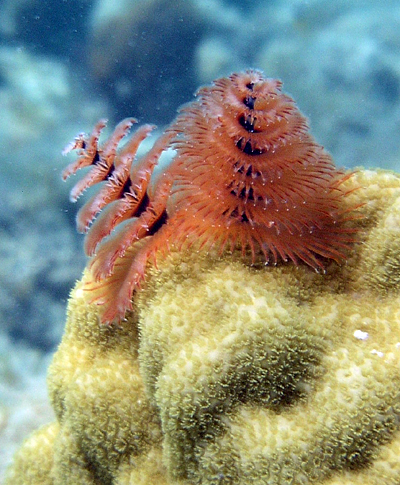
[[246, 173]]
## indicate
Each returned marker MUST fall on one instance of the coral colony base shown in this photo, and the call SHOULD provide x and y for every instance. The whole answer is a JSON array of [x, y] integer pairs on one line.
[[226, 370]]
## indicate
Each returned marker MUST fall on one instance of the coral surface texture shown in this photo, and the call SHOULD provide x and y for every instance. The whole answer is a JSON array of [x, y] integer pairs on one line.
[[231, 373]]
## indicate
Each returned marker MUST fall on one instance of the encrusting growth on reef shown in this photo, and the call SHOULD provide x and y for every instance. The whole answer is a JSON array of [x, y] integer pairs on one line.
[[247, 173]]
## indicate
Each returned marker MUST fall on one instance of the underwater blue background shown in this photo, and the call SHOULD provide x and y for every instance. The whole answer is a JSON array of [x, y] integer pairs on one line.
[[66, 63]]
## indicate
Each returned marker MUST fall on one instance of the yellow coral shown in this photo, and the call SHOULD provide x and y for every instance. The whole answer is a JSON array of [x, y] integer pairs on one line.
[[34, 461], [232, 374]]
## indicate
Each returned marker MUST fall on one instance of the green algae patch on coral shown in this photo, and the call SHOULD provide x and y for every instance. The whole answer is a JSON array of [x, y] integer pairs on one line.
[[232, 374]]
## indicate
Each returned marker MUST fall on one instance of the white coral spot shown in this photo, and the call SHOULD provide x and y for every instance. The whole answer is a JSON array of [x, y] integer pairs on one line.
[[377, 352], [360, 335]]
